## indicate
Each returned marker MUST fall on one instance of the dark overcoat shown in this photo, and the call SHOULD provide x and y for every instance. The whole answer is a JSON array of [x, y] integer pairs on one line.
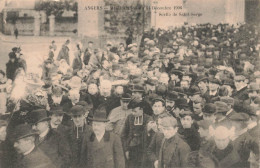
[[56, 148], [173, 153], [135, 140], [108, 153], [36, 159], [75, 139], [230, 157], [245, 144], [190, 136], [154, 147]]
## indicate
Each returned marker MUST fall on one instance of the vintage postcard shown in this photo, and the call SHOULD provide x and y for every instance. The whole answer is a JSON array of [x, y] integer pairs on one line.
[[129, 83]]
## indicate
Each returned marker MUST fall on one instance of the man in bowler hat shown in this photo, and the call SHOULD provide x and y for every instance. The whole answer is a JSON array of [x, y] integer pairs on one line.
[[49, 141], [101, 149], [29, 156]]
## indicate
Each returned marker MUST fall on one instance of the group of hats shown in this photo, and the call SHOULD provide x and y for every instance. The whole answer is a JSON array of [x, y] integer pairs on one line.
[[40, 115]]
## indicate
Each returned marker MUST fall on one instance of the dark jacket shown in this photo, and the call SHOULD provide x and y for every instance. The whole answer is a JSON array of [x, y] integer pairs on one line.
[[85, 96], [135, 140], [190, 136], [36, 159], [108, 153], [227, 158], [135, 133], [11, 67], [173, 153], [75, 138], [154, 147], [56, 148], [6, 154], [244, 144], [64, 54], [111, 102]]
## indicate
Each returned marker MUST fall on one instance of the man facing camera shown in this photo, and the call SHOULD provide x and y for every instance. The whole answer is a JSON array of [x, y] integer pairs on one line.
[[174, 150], [223, 149], [101, 149]]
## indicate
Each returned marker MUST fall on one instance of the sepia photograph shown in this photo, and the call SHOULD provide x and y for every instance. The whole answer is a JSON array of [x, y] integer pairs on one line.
[[129, 83]]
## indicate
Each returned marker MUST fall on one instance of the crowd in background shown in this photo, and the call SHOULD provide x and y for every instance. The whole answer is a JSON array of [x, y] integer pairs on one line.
[[186, 97]]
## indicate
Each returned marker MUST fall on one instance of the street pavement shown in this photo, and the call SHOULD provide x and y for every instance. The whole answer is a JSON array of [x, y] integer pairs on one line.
[[34, 49]]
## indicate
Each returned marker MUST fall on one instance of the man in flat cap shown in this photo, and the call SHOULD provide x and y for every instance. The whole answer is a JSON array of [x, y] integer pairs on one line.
[[29, 155], [134, 135], [101, 149], [230, 103], [174, 150], [49, 141], [221, 113]]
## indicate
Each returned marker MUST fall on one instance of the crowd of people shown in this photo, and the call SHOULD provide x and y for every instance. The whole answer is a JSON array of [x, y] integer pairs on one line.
[[186, 97]]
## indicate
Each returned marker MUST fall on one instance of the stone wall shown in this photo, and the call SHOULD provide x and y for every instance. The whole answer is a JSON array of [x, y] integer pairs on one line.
[[25, 27], [65, 27]]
